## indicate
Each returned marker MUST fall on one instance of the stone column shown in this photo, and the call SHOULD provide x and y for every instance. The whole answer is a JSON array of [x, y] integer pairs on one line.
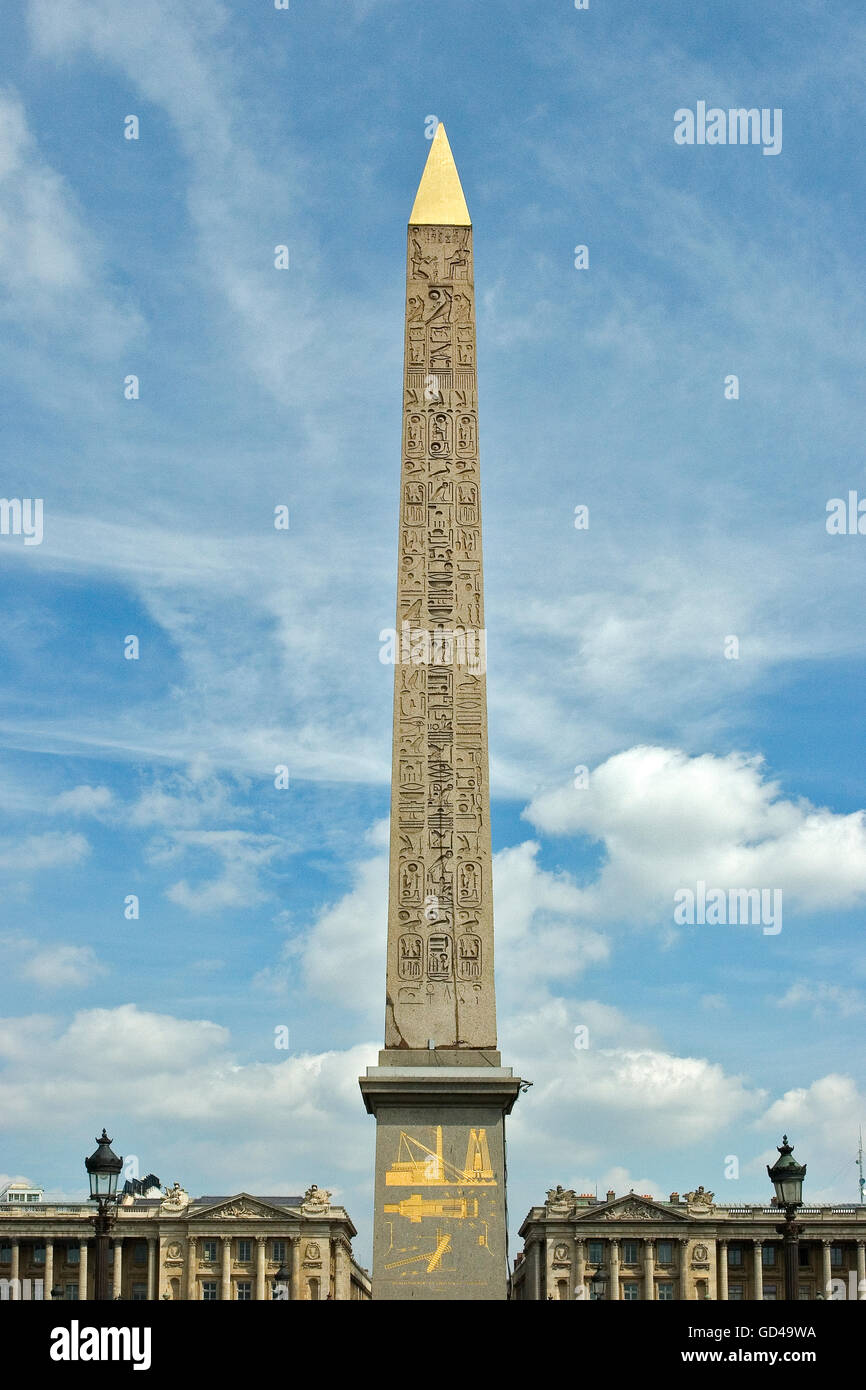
[[226, 1279], [49, 1270], [580, 1290], [649, 1261], [118, 1267], [82, 1269], [151, 1269], [261, 1281], [861, 1270], [296, 1267], [758, 1267], [342, 1271], [614, 1270], [14, 1289], [191, 1262], [826, 1273], [722, 1268], [684, 1269]]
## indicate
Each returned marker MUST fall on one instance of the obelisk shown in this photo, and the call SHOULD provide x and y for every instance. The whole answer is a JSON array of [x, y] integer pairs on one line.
[[439, 1093]]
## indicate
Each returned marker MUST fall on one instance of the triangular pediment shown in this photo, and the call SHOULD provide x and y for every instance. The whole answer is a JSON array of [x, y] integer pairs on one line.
[[629, 1208], [242, 1207]]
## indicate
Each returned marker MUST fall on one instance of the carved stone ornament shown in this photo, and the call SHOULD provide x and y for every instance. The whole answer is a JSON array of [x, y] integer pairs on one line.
[[241, 1208], [175, 1198], [316, 1201], [560, 1196], [630, 1211], [700, 1255], [699, 1198], [560, 1254]]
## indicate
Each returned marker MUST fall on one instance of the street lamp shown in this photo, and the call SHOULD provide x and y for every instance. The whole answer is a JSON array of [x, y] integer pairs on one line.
[[597, 1283], [103, 1169], [787, 1177], [280, 1285]]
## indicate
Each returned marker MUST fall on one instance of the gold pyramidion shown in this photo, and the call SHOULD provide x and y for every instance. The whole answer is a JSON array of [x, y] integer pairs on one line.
[[439, 201]]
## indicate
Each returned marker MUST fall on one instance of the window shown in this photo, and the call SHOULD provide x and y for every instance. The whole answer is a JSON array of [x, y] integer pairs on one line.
[[768, 1255], [735, 1293], [665, 1293], [279, 1252], [244, 1288], [73, 1255], [208, 1251], [836, 1253], [39, 1254], [209, 1291], [139, 1293], [735, 1255], [769, 1293], [629, 1293], [72, 1293], [562, 1289], [665, 1252], [805, 1253], [596, 1252], [245, 1251], [5, 1254], [629, 1252], [139, 1252], [804, 1293]]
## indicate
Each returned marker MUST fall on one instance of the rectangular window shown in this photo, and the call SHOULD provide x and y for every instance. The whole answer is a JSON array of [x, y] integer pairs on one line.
[[804, 1293], [5, 1254], [836, 1254], [596, 1252], [39, 1254], [665, 1252], [245, 1251], [208, 1251], [279, 1252], [629, 1252], [139, 1252], [72, 1292], [735, 1255], [244, 1292], [805, 1253], [769, 1293], [735, 1293], [629, 1293], [209, 1291], [73, 1255], [768, 1255], [665, 1293], [139, 1293]]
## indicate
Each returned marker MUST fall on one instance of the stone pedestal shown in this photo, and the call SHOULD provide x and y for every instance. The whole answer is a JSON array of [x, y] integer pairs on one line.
[[439, 1224]]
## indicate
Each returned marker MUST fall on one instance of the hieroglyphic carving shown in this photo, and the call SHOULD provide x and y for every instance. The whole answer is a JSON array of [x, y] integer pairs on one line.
[[440, 934]]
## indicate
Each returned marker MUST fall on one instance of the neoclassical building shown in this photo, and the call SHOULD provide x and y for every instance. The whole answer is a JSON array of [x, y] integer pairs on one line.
[[688, 1247], [168, 1246]]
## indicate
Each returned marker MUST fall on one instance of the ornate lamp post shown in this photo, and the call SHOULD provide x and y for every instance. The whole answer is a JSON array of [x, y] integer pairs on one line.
[[280, 1285], [103, 1169], [597, 1283], [787, 1177]]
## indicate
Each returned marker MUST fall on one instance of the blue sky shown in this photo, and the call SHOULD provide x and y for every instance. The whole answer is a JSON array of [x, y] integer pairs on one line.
[[604, 387]]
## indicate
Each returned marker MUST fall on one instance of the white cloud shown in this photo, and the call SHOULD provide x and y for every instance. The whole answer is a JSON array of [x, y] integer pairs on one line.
[[54, 849], [244, 856], [83, 801], [665, 820], [63, 967], [823, 999], [822, 1122]]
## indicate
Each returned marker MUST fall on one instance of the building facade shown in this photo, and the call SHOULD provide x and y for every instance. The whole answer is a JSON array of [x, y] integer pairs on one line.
[[688, 1247], [168, 1246]]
